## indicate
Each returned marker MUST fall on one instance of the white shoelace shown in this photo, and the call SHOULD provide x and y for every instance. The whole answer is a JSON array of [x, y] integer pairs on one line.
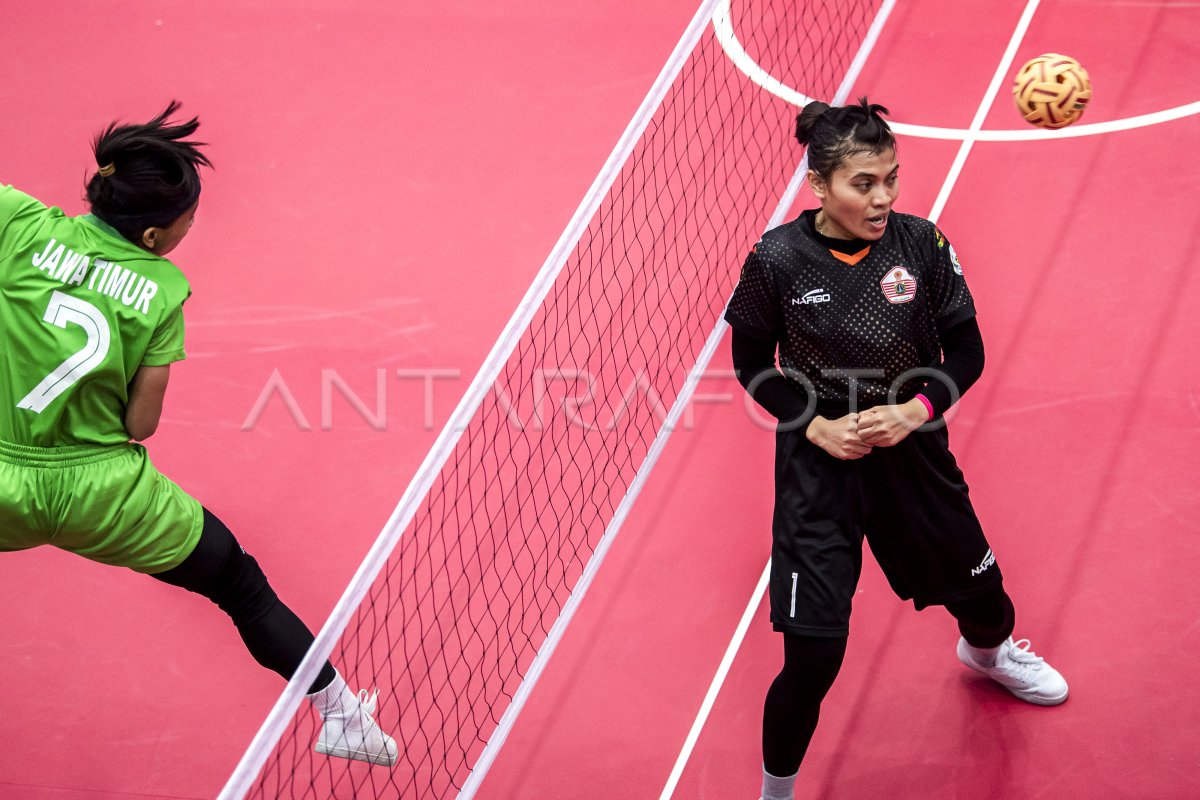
[[1020, 652], [368, 700], [1025, 660]]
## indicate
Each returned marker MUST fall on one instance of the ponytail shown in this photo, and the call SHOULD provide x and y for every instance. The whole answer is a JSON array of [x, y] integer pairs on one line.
[[807, 119], [147, 175]]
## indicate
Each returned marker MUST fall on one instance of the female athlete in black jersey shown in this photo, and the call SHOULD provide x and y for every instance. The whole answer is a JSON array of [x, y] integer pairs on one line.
[[876, 337]]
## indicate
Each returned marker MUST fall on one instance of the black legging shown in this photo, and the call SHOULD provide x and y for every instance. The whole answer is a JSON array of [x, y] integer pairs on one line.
[[222, 571], [987, 620], [811, 663]]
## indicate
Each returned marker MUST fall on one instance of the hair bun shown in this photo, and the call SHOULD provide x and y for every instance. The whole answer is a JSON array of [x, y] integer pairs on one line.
[[807, 119]]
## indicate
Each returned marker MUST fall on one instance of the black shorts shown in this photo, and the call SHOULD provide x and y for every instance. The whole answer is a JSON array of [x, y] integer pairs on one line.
[[911, 503]]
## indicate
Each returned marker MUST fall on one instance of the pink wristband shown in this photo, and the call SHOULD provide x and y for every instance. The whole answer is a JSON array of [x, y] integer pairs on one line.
[[928, 405]]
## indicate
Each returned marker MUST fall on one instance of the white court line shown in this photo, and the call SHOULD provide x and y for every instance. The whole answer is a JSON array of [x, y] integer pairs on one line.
[[718, 680], [1074, 131], [984, 106], [723, 26]]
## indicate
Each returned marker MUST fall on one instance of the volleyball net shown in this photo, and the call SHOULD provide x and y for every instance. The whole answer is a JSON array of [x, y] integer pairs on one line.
[[461, 600]]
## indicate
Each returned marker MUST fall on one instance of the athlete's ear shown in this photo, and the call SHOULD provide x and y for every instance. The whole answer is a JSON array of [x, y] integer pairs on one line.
[[817, 183], [150, 238]]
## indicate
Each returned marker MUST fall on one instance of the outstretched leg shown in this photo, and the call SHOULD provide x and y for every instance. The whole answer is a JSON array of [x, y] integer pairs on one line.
[[219, 569], [222, 571]]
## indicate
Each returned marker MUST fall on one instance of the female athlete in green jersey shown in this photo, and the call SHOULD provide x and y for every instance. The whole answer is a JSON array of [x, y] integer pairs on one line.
[[90, 322]]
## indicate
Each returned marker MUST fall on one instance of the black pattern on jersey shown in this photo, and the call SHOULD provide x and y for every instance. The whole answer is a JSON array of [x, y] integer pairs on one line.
[[870, 323]]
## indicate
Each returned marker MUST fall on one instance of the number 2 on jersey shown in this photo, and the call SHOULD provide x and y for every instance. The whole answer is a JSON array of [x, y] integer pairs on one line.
[[63, 310]]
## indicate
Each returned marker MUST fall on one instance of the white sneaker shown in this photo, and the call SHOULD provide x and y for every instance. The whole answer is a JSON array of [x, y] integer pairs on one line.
[[1023, 673], [350, 731]]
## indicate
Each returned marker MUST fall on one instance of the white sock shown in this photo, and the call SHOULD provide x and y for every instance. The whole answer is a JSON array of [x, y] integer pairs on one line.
[[984, 656], [778, 788], [336, 699]]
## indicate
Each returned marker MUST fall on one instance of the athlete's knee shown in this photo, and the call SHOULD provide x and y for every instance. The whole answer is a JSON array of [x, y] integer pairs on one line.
[[241, 589], [238, 585], [219, 569], [811, 664]]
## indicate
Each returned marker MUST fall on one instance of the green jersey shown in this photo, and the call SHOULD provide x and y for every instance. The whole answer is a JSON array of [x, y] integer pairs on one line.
[[81, 308]]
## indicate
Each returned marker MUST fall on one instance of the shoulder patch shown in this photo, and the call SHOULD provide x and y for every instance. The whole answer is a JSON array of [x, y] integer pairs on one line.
[[954, 261]]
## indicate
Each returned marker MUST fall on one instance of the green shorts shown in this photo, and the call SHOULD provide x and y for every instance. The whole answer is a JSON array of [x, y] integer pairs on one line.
[[107, 504]]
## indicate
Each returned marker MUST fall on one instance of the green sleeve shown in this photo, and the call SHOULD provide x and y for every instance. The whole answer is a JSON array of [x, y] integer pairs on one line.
[[166, 344], [14, 203], [10, 201]]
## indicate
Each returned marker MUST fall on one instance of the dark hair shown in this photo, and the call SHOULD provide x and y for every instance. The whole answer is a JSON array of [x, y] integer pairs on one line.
[[834, 134], [149, 175]]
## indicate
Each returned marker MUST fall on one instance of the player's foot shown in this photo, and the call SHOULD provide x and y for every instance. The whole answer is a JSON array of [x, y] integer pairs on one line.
[[349, 729], [1019, 670]]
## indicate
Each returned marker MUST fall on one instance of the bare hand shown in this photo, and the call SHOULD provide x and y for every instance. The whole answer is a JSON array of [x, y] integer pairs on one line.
[[838, 437], [885, 426]]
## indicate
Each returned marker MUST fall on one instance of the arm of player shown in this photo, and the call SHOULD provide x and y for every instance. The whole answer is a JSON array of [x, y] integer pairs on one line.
[[754, 365], [146, 393], [962, 364]]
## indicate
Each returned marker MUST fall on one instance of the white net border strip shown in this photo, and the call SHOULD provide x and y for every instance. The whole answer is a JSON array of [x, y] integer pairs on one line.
[[280, 716]]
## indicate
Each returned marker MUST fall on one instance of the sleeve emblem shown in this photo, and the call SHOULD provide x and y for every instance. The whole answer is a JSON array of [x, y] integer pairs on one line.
[[954, 261]]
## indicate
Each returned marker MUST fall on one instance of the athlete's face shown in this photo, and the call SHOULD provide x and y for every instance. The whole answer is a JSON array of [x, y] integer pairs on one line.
[[858, 196], [161, 241]]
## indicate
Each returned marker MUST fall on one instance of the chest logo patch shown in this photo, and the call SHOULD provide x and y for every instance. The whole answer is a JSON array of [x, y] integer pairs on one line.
[[899, 286]]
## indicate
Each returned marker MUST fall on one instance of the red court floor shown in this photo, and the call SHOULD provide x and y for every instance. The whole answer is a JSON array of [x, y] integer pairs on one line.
[[389, 179]]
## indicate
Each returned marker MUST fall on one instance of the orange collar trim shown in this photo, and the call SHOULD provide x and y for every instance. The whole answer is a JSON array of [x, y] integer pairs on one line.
[[851, 259]]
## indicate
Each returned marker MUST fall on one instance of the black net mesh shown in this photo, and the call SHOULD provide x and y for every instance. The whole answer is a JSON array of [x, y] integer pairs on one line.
[[454, 620]]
